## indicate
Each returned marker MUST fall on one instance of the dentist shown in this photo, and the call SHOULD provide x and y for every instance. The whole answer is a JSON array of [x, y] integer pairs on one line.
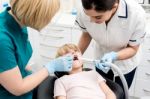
[[16, 82], [118, 28]]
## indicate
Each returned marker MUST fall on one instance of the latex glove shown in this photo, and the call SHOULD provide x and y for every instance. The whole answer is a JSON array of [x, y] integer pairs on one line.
[[102, 66], [60, 64], [109, 57]]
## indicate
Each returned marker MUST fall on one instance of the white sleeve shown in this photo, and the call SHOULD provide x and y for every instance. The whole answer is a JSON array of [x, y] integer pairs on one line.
[[59, 89], [79, 22], [140, 30]]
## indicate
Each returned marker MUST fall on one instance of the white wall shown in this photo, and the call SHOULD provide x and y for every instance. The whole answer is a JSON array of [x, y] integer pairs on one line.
[[67, 5], [143, 1], [1, 4]]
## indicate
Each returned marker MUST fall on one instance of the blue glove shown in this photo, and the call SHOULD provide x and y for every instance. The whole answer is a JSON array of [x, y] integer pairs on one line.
[[60, 64], [109, 57], [102, 66]]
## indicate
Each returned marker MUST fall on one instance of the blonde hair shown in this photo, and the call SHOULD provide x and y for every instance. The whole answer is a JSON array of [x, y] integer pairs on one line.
[[34, 13], [66, 48]]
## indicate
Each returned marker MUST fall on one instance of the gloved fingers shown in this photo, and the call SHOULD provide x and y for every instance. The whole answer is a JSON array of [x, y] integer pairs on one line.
[[105, 57], [96, 63], [99, 65], [109, 60], [68, 57], [106, 69], [103, 60], [68, 68], [103, 67], [109, 57], [69, 54], [68, 61]]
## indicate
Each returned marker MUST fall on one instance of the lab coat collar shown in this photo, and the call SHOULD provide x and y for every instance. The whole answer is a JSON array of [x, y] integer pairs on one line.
[[122, 9]]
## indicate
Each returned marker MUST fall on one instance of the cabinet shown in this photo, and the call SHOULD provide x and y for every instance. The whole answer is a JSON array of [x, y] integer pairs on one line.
[[142, 87], [51, 39]]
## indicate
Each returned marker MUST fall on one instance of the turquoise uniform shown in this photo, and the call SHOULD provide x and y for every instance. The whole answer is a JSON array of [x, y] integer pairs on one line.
[[15, 50]]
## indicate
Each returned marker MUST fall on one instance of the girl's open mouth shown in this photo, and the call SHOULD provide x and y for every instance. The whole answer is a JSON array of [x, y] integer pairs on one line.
[[75, 58]]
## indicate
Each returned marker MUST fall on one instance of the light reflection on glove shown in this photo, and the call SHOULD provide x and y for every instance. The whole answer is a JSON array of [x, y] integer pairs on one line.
[[60, 64]]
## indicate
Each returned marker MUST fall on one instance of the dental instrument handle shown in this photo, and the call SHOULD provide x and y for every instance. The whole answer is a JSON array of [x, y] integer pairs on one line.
[[124, 82], [86, 60]]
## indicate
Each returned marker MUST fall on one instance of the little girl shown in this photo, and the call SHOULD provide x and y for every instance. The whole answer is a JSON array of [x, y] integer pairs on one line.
[[80, 84]]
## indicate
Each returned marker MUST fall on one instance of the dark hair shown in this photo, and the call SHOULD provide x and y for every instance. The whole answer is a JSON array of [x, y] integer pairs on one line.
[[98, 5]]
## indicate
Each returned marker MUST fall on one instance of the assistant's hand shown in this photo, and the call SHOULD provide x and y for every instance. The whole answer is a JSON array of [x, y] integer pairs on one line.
[[60, 64], [109, 57], [102, 66]]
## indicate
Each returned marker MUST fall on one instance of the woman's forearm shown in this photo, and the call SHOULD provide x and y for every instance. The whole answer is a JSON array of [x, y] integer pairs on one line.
[[12, 80], [110, 96], [32, 81], [127, 52], [84, 42]]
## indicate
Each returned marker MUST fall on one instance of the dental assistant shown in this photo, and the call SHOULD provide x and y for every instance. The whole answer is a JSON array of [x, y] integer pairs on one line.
[[118, 28], [16, 82]]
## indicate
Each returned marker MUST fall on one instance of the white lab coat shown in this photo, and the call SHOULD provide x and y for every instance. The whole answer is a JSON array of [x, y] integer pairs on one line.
[[127, 26]]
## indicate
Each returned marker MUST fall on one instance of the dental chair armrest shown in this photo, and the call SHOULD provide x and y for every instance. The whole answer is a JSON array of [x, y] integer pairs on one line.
[[46, 89]]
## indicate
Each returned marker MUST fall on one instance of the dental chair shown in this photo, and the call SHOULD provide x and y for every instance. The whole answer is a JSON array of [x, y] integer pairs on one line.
[[46, 88]]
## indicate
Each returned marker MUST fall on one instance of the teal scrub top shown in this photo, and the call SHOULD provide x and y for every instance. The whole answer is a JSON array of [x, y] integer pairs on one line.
[[15, 50]]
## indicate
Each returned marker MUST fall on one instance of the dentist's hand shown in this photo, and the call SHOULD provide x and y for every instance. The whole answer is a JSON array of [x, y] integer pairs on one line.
[[108, 57], [60, 64], [102, 66]]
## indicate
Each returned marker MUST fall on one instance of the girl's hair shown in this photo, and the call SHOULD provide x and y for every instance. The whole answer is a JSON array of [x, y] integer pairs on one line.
[[99, 5], [66, 49], [34, 13]]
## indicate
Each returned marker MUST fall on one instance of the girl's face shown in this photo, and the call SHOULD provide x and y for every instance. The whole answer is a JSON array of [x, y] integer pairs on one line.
[[77, 62]]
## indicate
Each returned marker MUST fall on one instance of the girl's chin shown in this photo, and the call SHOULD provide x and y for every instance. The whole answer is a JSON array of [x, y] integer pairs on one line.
[[77, 63], [76, 66]]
